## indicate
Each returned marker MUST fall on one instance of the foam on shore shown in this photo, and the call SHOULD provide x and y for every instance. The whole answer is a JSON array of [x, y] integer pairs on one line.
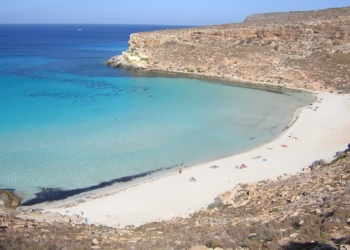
[[317, 133]]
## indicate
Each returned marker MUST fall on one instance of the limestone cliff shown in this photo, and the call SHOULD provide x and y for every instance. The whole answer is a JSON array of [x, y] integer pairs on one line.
[[309, 50]]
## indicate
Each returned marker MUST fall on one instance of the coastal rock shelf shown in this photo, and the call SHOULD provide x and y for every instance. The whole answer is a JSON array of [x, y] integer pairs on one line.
[[308, 50]]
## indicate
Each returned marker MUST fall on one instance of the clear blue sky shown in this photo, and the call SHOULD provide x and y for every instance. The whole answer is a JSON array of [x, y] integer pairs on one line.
[[177, 12]]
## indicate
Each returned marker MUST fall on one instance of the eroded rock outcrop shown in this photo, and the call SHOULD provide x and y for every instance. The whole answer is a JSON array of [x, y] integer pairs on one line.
[[8, 199], [309, 50]]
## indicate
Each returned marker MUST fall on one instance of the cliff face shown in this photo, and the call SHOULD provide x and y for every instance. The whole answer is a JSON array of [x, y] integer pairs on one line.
[[309, 50]]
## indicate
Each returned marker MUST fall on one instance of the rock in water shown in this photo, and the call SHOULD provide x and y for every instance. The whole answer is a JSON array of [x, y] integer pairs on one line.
[[8, 199]]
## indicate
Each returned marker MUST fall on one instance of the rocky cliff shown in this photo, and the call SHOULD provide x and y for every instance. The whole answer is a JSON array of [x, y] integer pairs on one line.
[[309, 50]]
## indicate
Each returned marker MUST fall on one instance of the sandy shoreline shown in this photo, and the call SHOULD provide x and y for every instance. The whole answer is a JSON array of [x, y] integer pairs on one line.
[[314, 135]]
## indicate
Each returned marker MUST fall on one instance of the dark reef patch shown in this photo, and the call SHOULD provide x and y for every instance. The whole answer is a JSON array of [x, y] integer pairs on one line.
[[54, 194]]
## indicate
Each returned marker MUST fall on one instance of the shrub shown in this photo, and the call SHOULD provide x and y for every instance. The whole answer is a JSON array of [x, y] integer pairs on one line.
[[340, 157], [317, 163], [214, 243], [240, 233], [211, 206], [170, 43], [268, 235], [249, 40]]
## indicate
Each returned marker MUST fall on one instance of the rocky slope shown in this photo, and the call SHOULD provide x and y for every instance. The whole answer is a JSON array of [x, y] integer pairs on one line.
[[309, 50], [310, 210]]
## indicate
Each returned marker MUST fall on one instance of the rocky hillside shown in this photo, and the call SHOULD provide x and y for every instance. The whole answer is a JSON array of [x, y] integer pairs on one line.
[[310, 210], [309, 50]]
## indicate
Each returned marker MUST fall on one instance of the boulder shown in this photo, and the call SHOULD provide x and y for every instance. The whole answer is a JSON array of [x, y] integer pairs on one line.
[[8, 199], [283, 177], [227, 197]]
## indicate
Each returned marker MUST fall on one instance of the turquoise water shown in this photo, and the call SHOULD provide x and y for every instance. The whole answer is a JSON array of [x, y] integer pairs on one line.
[[70, 122]]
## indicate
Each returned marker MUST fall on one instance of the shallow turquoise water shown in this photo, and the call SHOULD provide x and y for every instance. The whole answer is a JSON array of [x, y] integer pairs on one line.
[[68, 121], [72, 136]]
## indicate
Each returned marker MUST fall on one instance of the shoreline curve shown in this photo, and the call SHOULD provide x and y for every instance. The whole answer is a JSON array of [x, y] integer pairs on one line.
[[312, 136]]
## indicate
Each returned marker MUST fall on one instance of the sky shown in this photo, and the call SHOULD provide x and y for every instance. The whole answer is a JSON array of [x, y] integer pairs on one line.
[[176, 12]]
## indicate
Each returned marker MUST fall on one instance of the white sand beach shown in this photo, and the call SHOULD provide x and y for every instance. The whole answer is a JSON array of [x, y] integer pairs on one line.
[[318, 133]]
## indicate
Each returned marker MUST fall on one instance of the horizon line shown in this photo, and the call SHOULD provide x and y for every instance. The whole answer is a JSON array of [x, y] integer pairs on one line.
[[190, 25]]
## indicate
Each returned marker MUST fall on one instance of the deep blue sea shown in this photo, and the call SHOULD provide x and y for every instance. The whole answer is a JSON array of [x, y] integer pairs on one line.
[[68, 123]]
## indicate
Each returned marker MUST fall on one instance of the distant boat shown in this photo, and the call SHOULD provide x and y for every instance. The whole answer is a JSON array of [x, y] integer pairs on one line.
[[79, 29]]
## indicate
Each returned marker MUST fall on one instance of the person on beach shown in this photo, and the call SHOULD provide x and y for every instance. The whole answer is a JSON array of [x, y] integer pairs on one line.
[[243, 166], [180, 170]]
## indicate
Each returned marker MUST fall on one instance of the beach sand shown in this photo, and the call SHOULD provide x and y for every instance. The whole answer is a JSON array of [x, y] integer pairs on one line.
[[317, 133]]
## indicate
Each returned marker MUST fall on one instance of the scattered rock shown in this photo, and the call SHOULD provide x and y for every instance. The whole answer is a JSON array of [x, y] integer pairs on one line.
[[95, 241], [252, 235]]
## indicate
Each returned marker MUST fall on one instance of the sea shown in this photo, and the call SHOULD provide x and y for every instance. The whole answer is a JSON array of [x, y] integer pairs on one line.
[[70, 124]]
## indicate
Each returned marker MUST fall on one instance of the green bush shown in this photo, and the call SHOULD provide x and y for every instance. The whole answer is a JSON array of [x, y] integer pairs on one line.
[[340, 157], [214, 243], [211, 206]]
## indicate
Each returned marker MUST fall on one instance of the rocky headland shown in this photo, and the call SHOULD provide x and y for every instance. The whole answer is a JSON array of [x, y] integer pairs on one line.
[[308, 50]]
